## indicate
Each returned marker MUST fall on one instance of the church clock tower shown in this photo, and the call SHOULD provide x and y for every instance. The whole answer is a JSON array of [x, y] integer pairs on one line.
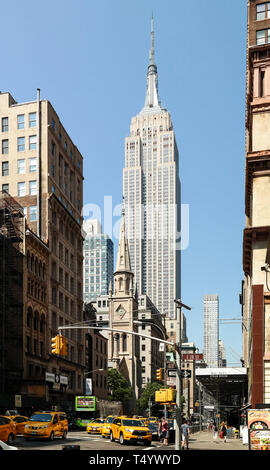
[[124, 351]]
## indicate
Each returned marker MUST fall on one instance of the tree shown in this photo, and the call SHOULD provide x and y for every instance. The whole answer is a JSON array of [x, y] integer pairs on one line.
[[119, 389], [148, 393]]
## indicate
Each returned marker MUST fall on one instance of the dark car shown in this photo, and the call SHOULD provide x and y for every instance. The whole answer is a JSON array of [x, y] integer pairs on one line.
[[153, 428]]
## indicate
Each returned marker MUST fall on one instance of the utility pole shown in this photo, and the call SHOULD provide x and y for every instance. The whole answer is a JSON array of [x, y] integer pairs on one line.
[[179, 305]]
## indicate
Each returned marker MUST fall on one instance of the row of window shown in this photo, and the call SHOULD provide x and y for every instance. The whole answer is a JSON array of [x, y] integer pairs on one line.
[[32, 121], [21, 145], [263, 11], [21, 166], [21, 188]]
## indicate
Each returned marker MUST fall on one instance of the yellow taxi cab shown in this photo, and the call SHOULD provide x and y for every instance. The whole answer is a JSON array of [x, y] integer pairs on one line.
[[105, 431], [7, 429], [95, 426], [153, 419], [46, 424], [145, 421], [129, 430], [20, 422]]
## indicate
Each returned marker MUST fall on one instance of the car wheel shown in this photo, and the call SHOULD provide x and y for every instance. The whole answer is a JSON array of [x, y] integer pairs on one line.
[[111, 437], [64, 436], [10, 439], [52, 436], [121, 439]]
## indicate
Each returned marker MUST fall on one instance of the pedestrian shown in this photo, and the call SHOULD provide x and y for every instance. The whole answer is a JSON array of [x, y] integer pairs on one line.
[[185, 430], [164, 429], [224, 431], [215, 433]]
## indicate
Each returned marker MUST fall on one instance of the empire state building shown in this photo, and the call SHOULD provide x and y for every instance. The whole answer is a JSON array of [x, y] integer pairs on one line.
[[151, 189]]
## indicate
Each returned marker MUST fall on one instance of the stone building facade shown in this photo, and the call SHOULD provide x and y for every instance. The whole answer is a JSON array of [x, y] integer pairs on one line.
[[256, 253], [43, 170]]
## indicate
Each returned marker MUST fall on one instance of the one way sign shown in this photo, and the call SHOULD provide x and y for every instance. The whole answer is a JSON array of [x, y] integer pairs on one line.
[[185, 373]]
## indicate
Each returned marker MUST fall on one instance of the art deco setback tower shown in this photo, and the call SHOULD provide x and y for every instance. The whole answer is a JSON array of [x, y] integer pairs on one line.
[[151, 189]]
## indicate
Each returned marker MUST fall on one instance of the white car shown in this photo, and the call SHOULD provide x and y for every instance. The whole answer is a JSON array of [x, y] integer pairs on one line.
[[4, 446]]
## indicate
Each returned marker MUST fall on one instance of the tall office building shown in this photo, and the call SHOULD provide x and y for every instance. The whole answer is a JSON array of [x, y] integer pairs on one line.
[[211, 330], [151, 188], [98, 261], [43, 170]]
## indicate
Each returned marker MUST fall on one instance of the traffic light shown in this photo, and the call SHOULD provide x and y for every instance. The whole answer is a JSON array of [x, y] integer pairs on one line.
[[165, 395], [55, 344], [63, 346], [159, 374]]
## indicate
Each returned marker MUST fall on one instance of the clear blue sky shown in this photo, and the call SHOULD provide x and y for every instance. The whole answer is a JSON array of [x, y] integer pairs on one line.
[[90, 60]]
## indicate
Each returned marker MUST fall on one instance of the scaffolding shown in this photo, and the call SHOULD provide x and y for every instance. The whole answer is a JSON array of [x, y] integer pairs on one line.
[[12, 228]]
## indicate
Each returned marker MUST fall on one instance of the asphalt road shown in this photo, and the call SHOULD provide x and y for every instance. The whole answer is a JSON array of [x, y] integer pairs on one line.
[[85, 441]]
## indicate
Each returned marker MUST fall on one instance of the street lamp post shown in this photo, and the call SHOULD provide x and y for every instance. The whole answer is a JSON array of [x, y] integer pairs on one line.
[[178, 348], [163, 332]]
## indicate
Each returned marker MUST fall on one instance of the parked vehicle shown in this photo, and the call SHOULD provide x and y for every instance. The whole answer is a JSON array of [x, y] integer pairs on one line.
[[20, 422], [47, 424], [7, 430], [95, 426], [129, 430], [105, 432]]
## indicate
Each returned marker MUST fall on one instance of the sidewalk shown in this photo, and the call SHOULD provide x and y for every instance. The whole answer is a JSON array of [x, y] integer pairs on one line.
[[204, 441]]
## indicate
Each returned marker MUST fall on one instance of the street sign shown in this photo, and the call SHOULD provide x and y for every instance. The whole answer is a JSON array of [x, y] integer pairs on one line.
[[185, 373], [192, 357], [171, 372]]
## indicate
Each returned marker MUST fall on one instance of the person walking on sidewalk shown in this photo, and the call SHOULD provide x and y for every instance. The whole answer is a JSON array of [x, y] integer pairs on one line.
[[224, 431], [185, 434], [215, 432], [164, 429]]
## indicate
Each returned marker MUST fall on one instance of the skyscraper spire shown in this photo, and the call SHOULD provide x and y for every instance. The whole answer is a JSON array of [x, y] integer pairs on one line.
[[152, 100], [123, 257], [152, 51]]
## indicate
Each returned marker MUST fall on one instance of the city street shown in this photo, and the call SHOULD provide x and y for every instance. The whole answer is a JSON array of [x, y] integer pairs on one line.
[[198, 441]]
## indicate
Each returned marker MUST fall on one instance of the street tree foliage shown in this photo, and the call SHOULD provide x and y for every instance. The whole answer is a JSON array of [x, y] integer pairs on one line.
[[119, 389], [148, 394]]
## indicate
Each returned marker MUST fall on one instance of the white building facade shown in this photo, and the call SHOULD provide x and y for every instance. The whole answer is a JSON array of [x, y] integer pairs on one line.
[[211, 330]]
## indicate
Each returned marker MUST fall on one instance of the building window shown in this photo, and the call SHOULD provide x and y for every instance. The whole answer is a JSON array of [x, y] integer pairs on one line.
[[21, 166], [33, 213], [4, 146], [21, 189], [5, 124], [32, 164], [32, 142], [263, 11], [21, 144], [32, 188], [5, 171], [20, 121], [262, 36], [5, 187], [32, 119]]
